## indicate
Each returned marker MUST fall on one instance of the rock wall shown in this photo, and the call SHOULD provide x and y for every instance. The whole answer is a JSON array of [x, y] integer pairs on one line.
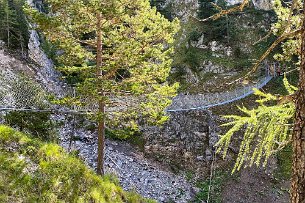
[[185, 142], [46, 72], [258, 4], [183, 9]]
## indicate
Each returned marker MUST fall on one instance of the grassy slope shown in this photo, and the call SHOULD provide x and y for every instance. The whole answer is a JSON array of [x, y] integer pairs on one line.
[[34, 171]]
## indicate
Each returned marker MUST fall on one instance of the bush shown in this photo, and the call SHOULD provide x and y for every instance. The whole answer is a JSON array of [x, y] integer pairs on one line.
[[39, 124], [194, 35], [192, 58], [26, 93]]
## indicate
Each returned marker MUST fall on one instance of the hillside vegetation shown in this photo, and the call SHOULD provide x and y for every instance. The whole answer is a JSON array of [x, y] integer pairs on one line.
[[34, 171]]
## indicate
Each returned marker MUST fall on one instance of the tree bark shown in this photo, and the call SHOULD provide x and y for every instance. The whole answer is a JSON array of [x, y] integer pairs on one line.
[[297, 190], [101, 103], [8, 26]]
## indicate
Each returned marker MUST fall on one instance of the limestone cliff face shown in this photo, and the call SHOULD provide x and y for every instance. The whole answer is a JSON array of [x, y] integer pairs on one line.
[[47, 71], [211, 53], [183, 9], [263, 4], [258, 4], [13, 68], [186, 141]]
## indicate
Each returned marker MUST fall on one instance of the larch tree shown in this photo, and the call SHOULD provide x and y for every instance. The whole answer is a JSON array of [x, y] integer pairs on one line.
[[120, 50], [298, 136], [268, 127]]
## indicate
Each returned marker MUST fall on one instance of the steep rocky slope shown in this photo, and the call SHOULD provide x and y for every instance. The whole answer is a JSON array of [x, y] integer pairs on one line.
[[209, 54], [186, 141], [134, 171]]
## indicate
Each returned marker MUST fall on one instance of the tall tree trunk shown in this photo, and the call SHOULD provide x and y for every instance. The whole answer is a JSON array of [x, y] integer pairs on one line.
[[297, 191], [101, 109], [8, 26]]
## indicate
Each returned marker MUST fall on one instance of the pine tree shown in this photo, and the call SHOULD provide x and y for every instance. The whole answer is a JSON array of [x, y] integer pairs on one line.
[[21, 30], [120, 50], [214, 29], [206, 8], [13, 25]]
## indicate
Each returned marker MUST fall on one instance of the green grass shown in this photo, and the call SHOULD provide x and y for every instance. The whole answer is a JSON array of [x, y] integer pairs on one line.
[[219, 179], [35, 171], [284, 158]]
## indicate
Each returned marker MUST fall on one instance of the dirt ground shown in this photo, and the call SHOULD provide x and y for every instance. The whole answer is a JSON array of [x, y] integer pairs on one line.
[[254, 185]]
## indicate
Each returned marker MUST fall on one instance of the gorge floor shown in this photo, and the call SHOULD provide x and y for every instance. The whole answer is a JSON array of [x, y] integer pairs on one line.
[[134, 171]]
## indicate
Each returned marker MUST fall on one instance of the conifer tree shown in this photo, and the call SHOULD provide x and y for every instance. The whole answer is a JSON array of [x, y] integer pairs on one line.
[[215, 29], [267, 127], [119, 49], [13, 25], [8, 21], [297, 190], [206, 8]]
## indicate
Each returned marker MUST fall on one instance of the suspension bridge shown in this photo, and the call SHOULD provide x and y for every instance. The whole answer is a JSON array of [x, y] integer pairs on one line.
[[180, 103], [205, 101]]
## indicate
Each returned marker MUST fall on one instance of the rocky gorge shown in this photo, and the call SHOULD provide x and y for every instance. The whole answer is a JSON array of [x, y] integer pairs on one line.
[[184, 143], [134, 171]]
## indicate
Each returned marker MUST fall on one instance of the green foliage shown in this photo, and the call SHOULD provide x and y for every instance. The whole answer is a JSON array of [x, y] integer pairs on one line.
[[28, 94], [267, 129], [284, 158], [38, 124], [136, 54], [13, 24], [194, 35], [163, 8], [192, 58], [213, 29], [207, 8], [129, 135], [49, 49], [38, 172], [288, 22], [212, 188], [121, 134]]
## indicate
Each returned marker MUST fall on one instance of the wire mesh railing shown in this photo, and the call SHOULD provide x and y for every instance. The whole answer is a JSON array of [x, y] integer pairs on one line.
[[18, 97], [204, 101]]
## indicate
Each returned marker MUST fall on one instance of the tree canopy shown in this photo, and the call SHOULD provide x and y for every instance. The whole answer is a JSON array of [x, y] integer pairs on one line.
[[136, 52]]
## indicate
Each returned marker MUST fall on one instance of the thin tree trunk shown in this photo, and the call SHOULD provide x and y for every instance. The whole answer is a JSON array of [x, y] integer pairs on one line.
[[101, 109], [297, 190], [8, 27]]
